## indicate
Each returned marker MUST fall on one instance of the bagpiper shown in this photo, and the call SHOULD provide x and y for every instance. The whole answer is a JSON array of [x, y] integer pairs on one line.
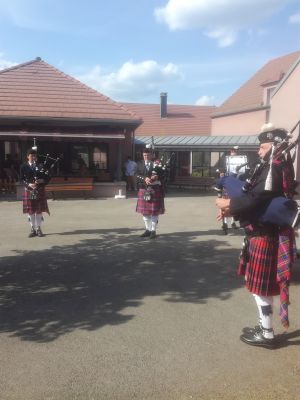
[[222, 193], [269, 248], [151, 193], [34, 196]]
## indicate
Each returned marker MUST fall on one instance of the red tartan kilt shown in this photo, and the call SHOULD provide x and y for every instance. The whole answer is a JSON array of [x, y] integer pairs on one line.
[[38, 206], [261, 270], [155, 206]]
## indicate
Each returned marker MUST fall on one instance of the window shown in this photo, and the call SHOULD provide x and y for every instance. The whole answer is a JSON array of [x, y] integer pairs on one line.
[[80, 157], [99, 157], [200, 163]]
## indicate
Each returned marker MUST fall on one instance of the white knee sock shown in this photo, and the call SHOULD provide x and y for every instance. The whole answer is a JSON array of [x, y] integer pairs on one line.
[[265, 309], [38, 220], [147, 221], [154, 221], [32, 221]]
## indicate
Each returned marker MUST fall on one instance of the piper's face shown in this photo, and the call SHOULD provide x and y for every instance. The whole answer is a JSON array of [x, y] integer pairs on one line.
[[31, 158], [147, 156], [264, 149]]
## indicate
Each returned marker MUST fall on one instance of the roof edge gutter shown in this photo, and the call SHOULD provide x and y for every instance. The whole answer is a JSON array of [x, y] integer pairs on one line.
[[89, 121], [233, 112]]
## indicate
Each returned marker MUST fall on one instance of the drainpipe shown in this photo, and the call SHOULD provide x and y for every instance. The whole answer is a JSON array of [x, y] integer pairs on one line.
[[191, 163]]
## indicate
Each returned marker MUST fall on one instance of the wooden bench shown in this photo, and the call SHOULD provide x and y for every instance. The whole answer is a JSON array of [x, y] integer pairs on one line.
[[69, 184], [196, 182], [7, 185]]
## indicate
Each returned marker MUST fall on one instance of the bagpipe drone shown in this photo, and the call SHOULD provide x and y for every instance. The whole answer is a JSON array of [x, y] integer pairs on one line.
[[282, 211], [41, 171]]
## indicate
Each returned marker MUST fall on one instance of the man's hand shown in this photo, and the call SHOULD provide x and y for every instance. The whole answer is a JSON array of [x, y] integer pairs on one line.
[[223, 205]]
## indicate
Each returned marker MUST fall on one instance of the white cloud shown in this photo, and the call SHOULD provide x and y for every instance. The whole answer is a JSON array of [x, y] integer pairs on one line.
[[295, 18], [205, 101], [225, 37], [132, 80], [5, 63], [219, 19]]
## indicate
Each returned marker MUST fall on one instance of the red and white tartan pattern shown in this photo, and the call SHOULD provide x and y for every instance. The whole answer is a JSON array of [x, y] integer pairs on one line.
[[286, 256], [37, 206], [268, 270], [261, 270], [155, 206]]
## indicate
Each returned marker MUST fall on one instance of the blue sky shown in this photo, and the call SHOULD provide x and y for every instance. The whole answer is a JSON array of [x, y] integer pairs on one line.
[[199, 51]]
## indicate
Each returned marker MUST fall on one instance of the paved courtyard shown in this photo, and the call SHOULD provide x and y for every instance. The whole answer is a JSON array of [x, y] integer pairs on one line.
[[92, 311]]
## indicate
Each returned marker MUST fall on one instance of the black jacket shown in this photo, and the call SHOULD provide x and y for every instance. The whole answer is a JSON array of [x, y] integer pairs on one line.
[[246, 207], [29, 174]]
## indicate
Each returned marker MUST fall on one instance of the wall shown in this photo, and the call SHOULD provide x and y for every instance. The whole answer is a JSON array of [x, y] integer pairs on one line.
[[238, 124], [285, 108], [285, 104]]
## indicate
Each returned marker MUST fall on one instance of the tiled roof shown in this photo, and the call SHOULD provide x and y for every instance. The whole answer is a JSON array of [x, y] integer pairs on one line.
[[250, 95], [180, 120], [38, 90], [203, 142]]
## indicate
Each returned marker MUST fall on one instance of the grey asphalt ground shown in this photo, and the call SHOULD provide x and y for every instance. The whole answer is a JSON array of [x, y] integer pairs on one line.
[[92, 311]]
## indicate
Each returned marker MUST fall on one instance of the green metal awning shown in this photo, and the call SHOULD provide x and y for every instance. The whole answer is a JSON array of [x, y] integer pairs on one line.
[[212, 143]]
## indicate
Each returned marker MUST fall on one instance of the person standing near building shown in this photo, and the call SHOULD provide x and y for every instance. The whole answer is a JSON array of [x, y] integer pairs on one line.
[[130, 168], [269, 249], [151, 194], [34, 196], [221, 192]]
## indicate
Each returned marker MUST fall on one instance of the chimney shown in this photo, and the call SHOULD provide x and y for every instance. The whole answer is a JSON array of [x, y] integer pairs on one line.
[[163, 105]]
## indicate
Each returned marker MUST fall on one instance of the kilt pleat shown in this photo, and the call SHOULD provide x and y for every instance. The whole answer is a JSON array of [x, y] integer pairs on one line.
[[261, 270], [36, 206], [155, 206]]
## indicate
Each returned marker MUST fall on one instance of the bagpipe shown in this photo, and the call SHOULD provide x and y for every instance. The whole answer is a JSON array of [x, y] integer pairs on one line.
[[158, 175], [281, 210], [42, 171]]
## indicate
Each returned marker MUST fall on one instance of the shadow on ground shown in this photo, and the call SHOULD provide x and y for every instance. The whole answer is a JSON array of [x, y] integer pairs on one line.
[[45, 294]]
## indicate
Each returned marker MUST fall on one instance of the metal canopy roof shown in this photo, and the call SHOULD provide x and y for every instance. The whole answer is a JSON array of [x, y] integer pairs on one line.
[[63, 135], [214, 143]]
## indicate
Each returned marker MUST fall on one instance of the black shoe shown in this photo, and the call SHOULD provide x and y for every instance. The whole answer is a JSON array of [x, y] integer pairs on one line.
[[257, 329], [152, 235], [32, 233], [39, 232], [146, 233], [225, 228], [233, 226], [256, 338]]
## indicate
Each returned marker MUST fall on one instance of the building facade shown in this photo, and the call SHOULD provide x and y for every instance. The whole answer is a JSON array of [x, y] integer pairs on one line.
[[91, 134]]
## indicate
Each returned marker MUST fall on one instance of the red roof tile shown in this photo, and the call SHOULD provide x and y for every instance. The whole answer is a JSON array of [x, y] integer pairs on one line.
[[180, 120], [250, 95], [38, 90]]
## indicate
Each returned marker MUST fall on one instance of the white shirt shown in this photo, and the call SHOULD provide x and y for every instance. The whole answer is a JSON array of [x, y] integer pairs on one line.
[[130, 168]]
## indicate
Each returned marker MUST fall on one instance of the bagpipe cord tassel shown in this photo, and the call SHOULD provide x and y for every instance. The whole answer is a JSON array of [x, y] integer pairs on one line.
[[268, 184]]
